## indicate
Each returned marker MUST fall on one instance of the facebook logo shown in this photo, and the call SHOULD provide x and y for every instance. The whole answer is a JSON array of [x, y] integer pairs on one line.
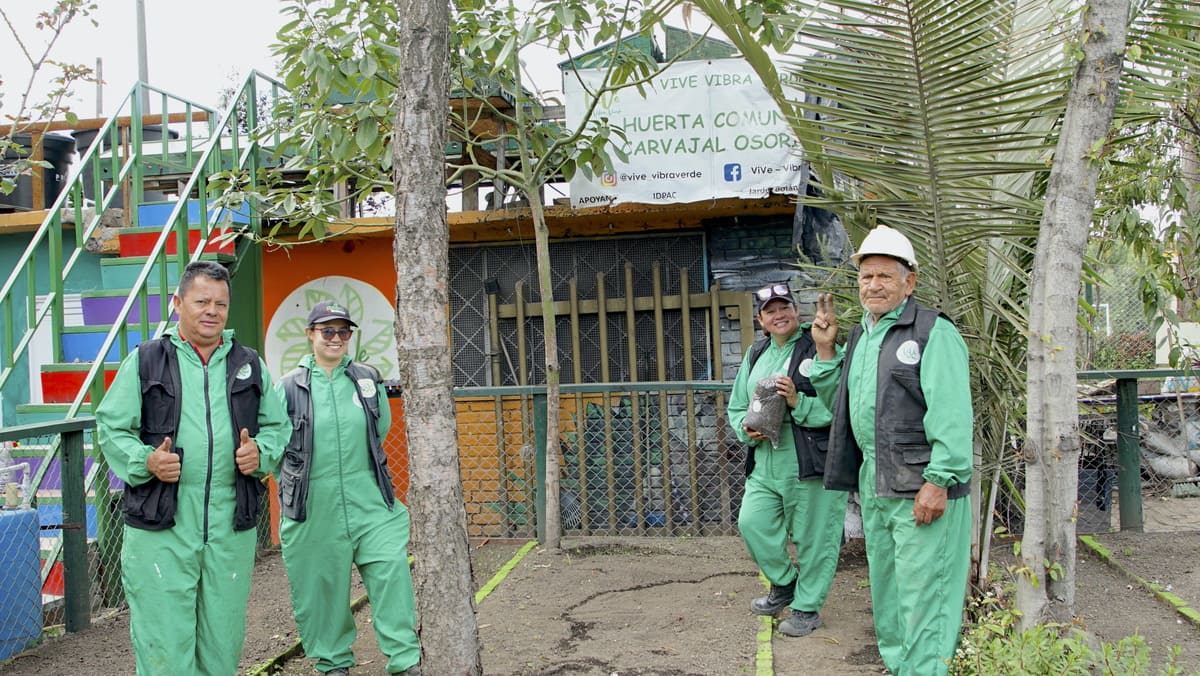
[[733, 172]]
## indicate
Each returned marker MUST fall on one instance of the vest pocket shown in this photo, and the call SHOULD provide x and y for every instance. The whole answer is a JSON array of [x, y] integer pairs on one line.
[[816, 448], [152, 505], [157, 416], [910, 471], [822, 445], [244, 399], [910, 379], [289, 478]]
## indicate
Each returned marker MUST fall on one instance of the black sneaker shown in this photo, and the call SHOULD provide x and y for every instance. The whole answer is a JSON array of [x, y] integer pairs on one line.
[[801, 623], [777, 600]]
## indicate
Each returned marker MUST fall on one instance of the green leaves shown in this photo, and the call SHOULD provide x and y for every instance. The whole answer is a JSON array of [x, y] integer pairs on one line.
[[339, 58], [488, 44]]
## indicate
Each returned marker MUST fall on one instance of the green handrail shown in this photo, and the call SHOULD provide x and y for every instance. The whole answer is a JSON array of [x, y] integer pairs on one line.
[[50, 233], [210, 161], [223, 148]]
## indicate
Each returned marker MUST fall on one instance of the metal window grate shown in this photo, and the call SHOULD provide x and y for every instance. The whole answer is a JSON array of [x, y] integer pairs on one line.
[[506, 267]]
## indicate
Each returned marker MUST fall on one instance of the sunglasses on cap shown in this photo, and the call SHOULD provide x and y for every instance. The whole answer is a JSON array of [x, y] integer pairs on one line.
[[773, 291], [329, 332]]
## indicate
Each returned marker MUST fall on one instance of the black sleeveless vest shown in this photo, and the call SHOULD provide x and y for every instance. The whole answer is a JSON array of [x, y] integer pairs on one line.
[[812, 443], [297, 458], [902, 450], [152, 505]]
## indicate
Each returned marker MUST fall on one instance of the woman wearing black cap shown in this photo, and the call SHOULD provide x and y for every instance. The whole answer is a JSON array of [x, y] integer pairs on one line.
[[338, 505]]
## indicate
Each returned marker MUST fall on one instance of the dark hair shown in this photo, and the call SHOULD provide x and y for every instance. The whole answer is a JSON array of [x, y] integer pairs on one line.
[[209, 269]]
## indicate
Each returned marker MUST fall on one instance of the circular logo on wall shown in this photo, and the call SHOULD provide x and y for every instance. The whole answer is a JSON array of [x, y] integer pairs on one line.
[[373, 343]]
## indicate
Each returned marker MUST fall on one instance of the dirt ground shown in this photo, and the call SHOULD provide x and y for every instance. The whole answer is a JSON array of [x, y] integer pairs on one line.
[[679, 606]]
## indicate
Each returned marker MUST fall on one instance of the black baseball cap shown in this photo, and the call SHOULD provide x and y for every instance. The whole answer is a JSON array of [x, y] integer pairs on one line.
[[328, 310], [771, 292]]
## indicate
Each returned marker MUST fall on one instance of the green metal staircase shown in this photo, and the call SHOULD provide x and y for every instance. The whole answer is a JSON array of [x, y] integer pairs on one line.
[[57, 269]]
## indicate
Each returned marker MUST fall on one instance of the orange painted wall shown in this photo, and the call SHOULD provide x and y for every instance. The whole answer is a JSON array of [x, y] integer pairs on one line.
[[369, 260]]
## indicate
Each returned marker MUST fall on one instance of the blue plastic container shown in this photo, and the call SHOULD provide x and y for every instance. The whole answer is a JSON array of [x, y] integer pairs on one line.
[[20, 583]]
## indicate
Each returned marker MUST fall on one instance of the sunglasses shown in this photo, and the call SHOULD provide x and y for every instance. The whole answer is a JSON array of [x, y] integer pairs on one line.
[[772, 291], [329, 332]]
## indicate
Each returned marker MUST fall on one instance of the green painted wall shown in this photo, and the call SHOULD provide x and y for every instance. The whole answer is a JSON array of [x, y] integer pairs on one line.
[[85, 276]]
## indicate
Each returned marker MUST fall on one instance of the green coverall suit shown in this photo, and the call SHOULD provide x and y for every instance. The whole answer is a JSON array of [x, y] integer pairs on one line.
[[348, 522], [777, 505], [918, 574], [187, 585]]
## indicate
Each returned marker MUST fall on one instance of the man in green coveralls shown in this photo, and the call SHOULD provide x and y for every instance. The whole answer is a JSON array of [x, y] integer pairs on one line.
[[339, 506], [784, 499], [902, 437], [187, 427]]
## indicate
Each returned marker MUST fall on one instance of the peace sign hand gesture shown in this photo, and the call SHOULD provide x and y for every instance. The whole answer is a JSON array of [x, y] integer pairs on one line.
[[824, 327]]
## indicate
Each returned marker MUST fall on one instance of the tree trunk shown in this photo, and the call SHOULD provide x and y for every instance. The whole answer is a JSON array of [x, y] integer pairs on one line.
[[553, 408], [1046, 590], [442, 575], [1189, 163], [533, 192]]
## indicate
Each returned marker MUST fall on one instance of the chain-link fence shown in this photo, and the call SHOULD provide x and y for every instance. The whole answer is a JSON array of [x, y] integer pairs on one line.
[[653, 459], [59, 543], [648, 459], [659, 459], [1117, 335], [1168, 441]]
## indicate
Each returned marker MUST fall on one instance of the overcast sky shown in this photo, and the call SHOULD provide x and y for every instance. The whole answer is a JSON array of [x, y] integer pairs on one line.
[[194, 50]]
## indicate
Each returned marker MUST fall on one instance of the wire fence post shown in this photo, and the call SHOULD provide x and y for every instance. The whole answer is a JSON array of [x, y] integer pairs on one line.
[[1129, 473], [539, 445], [74, 533]]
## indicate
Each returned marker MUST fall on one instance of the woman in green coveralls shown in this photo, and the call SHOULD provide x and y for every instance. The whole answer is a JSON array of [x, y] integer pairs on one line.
[[782, 502], [338, 504]]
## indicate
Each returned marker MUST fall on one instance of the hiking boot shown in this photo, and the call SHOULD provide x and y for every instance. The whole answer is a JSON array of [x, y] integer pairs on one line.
[[340, 671], [801, 623], [414, 670], [777, 600]]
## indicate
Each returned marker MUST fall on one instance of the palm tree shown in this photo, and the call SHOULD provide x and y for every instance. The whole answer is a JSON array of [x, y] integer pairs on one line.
[[941, 118]]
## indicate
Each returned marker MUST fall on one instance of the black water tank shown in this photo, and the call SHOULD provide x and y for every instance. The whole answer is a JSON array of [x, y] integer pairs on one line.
[[84, 139], [58, 150]]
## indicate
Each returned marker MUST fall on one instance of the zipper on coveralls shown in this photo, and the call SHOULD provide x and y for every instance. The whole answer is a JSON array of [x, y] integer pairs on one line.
[[208, 477], [337, 448]]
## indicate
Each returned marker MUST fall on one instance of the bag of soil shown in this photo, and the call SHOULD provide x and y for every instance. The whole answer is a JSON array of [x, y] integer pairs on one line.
[[766, 410]]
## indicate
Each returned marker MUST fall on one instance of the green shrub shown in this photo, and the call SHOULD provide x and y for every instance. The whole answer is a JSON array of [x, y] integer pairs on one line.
[[992, 646], [1122, 352]]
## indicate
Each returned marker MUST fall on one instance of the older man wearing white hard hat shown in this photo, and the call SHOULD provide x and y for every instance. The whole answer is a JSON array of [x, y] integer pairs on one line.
[[901, 436]]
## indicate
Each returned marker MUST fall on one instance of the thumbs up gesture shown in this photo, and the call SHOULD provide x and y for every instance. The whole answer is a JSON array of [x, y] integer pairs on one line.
[[246, 454], [163, 463]]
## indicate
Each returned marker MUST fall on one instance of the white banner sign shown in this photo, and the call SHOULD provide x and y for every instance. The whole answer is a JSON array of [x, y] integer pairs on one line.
[[703, 130]]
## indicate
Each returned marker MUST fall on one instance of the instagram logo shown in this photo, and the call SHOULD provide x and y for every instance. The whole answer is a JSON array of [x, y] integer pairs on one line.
[[608, 180]]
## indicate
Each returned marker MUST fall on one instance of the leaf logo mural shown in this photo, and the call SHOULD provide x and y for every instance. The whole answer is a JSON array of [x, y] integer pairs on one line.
[[373, 343]]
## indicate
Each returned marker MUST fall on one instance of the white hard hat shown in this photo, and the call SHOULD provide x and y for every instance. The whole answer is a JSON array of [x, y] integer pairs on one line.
[[885, 241]]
